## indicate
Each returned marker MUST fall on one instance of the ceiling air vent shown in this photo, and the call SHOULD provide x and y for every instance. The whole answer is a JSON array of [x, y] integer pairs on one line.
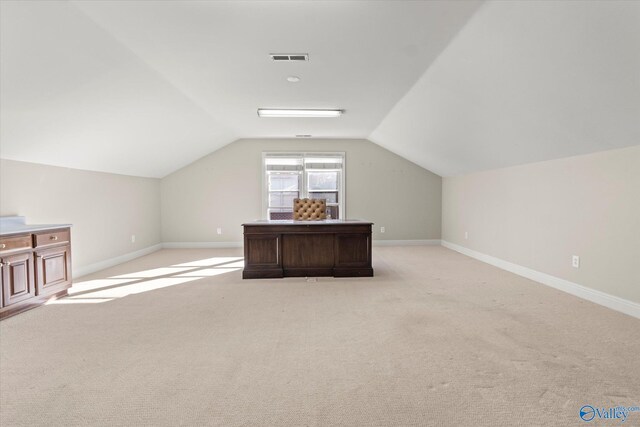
[[289, 56]]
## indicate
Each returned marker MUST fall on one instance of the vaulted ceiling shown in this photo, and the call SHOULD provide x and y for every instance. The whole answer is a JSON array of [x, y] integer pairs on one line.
[[524, 82], [146, 87]]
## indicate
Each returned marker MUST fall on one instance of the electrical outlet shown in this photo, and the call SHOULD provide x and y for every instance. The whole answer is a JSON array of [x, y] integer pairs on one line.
[[382, 229], [133, 238], [219, 230], [575, 261], [466, 235]]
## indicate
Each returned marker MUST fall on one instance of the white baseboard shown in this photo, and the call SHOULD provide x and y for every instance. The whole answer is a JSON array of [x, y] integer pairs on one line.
[[610, 301], [430, 242], [101, 265], [200, 245], [208, 245]]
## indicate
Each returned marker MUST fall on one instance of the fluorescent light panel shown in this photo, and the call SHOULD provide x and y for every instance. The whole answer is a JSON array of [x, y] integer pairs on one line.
[[266, 112]]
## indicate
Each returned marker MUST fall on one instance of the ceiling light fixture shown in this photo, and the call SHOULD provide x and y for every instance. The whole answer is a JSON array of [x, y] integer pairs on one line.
[[268, 112], [293, 79]]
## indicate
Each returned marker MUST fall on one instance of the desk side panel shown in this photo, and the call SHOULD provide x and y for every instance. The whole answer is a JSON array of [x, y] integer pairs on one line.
[[262, 256]]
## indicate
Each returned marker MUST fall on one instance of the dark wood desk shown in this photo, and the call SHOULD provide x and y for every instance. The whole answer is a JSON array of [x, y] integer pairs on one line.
[[339, 248]]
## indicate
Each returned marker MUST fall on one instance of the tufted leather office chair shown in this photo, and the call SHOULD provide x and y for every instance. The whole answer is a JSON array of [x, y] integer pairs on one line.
[[309, 209]]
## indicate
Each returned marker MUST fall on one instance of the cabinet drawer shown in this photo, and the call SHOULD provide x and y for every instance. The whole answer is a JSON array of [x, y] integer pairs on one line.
[[12, 244], [51, 238]]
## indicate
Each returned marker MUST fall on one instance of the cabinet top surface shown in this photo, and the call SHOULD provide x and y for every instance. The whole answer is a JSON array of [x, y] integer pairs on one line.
[[16, 225], [320, 222]]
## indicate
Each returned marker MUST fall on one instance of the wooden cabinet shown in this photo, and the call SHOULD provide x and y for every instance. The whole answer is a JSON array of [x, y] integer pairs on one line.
[[263, 253], [35, 267], [16, 261], [353, 254], [18, 283], [337, 248], [53, 269]]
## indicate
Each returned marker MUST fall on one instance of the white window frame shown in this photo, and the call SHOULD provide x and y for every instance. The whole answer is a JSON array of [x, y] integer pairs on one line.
[[342, 172], [268, 193]]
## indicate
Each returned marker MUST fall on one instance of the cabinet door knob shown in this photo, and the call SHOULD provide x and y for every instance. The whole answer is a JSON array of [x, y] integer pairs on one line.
[[7, 263], [2, 246], [53, 237]]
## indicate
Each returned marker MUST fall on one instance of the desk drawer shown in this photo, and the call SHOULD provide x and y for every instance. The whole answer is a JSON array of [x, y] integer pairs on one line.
[[51, 238], [12, 244]]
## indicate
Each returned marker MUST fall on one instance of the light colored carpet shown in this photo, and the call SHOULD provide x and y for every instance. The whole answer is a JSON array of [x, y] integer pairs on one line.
[[435, 339]]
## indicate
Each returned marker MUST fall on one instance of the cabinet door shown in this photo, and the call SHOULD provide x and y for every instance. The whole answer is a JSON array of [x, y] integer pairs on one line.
[[353, 250], [53, 269], [17, 278], [262, 251], [262, 256]]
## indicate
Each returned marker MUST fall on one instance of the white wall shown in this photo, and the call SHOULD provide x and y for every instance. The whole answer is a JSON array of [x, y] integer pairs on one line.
[[539, 215], [105, 209], [224, 189]]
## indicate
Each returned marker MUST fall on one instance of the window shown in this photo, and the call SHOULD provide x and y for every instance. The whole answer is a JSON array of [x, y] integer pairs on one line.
[[288, 176]]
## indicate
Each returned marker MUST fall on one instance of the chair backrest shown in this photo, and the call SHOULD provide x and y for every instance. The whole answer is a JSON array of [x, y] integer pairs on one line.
[[309, 209]]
